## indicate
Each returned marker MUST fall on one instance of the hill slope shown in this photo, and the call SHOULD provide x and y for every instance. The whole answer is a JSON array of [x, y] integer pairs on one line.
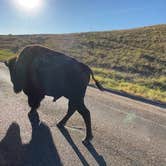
[[130, 60]]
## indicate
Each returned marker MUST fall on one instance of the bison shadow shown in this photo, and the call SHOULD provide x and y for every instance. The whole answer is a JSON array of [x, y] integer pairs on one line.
[[99, 158], [39, 151]]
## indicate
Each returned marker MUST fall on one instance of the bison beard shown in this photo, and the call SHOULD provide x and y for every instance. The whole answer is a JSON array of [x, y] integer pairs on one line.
[[39, 71]]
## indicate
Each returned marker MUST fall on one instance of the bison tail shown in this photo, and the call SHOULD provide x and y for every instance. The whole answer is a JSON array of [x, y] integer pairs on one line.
[[96, 82], [86, 68]]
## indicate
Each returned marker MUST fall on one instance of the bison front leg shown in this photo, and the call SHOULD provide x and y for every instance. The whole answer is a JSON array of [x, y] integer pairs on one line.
[[34, 117], [70, 112], [34, 103]]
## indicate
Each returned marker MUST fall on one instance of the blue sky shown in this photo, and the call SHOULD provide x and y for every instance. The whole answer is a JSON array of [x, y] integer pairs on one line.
[[68, 16]]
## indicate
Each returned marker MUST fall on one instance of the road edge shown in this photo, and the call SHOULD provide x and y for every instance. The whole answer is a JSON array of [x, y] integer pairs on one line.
[[134, 97]]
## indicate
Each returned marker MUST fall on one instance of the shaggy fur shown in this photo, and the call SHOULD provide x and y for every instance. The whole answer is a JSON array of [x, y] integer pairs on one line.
[[39, 71]]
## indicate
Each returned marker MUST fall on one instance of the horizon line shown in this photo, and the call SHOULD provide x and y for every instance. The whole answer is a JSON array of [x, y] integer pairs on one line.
[[70, 33]]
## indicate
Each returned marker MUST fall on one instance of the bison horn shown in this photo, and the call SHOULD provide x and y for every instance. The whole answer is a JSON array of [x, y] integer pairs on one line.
[[5, 62]]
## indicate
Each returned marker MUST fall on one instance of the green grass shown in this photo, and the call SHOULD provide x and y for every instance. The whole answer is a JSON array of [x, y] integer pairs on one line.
[[153, 88], [6, 54]]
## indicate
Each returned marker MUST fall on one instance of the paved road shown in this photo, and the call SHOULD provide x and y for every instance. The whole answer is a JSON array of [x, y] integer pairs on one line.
[[126, 132]]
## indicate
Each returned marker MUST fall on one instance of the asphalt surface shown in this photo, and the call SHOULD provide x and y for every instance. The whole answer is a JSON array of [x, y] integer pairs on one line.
[[126, 132]]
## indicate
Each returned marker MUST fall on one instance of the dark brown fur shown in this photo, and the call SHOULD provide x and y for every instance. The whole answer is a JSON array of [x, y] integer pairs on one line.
[[39, 71]]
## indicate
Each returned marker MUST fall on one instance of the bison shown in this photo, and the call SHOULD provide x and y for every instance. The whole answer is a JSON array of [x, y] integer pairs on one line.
[[40, 71]]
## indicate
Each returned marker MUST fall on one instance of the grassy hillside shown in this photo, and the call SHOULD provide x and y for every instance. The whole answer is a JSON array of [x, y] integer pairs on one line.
[[133, 60]]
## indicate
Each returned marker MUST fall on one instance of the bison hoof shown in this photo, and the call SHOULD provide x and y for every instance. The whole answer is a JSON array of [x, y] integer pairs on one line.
[[60, 125], [34, 118], [87, 140]]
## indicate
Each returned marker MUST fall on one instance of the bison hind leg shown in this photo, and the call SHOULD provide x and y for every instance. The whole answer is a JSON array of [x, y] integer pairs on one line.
[[82, 109]]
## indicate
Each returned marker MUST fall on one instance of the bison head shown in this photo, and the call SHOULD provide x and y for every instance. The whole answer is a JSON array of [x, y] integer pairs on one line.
[[11, 64]]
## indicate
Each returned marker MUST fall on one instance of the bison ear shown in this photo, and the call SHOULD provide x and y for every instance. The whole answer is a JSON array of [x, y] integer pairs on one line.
[[6, 63]]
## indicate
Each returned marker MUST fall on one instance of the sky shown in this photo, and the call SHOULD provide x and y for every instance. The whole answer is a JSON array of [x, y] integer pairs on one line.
[[70, 16]]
